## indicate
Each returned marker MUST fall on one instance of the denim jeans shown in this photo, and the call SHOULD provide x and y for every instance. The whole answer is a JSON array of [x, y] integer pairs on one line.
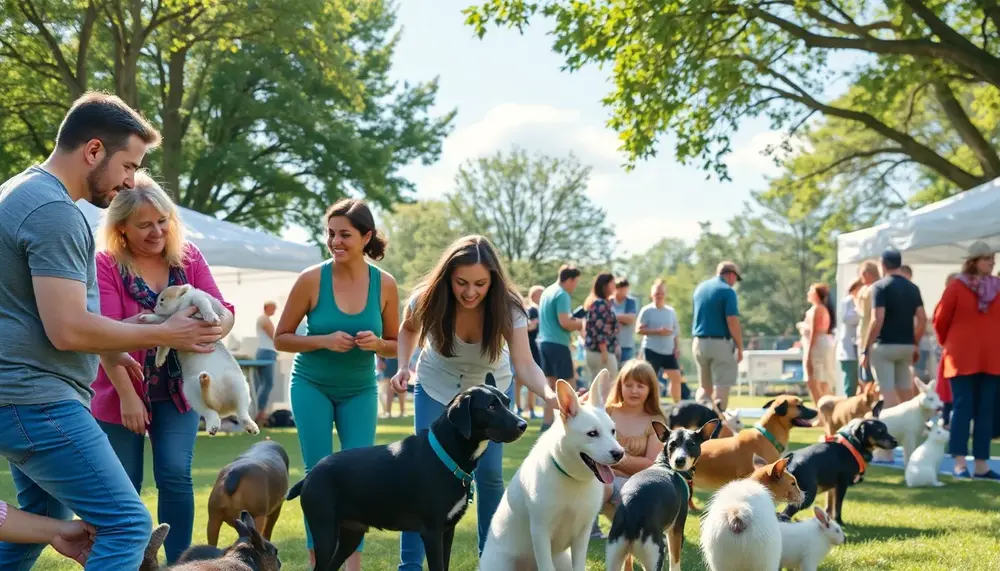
[[627, 354], [62, 464], [974, 398], [488, 476], [265, 377], [172, 436]]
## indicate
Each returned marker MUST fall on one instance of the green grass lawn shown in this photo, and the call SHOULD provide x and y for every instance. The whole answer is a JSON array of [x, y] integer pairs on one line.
[[888, 525]]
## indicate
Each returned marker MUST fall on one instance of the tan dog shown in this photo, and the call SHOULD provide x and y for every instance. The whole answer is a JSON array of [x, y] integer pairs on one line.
[[255, 482], [778, 480], [726, 459], [836, 412]]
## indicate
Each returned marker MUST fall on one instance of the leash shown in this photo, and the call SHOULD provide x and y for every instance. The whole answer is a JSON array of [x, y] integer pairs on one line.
[[450, 464], [848, 442], [770, 437]]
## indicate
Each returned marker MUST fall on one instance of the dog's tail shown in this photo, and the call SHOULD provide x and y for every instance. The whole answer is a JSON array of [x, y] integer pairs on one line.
[[150, 559], [738, 518], [233, 478], [295, 490]]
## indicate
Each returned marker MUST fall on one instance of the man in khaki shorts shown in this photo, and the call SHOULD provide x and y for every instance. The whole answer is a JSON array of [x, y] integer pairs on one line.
[[715, 327]]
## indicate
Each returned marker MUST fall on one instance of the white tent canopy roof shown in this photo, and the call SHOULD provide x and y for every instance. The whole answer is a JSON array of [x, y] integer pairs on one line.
[[227, 244], [938, 233]]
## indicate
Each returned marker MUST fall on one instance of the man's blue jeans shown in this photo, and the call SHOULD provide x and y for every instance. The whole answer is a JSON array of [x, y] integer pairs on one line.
[[172, 435], [488, 476], [62, 463], [265, 377]]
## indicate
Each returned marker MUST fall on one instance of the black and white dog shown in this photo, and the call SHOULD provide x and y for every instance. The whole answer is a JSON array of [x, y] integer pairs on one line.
[[421, 483], [655, 500]]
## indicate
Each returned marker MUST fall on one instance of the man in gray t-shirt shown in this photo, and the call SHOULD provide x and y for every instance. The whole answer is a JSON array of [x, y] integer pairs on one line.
[[625, 307], [51, 331]]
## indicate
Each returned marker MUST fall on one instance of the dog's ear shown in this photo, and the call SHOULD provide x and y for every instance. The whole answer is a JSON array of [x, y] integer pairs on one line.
[[183, 289], [661, 430], [877, 409], [248, 530], [460, 416], [150, 559], [597, 394], [569, 403], [781, 409], [824, 519], [929, 425], [710, 429], [778, 470], [759, 462], [768, 404], [491, 380]]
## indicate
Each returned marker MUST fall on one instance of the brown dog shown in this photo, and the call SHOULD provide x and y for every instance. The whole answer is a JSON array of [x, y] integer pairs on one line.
[[778, 480], [836, 412], [726, 459], [256, 482]]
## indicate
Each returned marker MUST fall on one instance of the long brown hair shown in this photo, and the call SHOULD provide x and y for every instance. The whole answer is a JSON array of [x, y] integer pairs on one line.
[[823, 293], [435, 308], [600, 289], [637, 370]]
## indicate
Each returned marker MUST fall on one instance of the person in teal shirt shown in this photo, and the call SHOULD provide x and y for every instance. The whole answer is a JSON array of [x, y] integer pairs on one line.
[[555, 323], [352, 314]]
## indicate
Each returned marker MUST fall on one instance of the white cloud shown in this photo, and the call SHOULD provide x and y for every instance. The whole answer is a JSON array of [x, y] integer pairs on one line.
[[758, 155]]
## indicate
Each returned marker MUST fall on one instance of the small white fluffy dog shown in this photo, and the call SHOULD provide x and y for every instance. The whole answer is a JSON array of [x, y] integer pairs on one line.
[[907, 421], [739, 529], [805, 543], [922, 469], [544, 519], [214, 384]]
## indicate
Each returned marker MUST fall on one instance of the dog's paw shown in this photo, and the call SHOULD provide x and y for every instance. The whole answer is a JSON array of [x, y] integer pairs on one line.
[[213, 428], [212, 318], [251, 427], [938, 483], [149, 318]]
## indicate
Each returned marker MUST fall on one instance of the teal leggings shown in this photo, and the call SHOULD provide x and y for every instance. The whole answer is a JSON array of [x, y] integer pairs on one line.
[[316, 414]]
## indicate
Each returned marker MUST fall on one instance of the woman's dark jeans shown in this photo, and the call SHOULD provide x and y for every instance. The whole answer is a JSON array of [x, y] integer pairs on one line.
[[974, 400]]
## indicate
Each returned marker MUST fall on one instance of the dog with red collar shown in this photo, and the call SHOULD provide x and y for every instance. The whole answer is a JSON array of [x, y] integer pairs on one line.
[[836, 464]]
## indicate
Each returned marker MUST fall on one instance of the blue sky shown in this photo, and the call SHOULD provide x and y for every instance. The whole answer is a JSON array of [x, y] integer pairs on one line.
[[509, 89]]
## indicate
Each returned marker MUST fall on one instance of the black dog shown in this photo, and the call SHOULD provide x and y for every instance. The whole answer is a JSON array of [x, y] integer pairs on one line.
[[655, 500], [690, 414], [837, 464], [421, 483]]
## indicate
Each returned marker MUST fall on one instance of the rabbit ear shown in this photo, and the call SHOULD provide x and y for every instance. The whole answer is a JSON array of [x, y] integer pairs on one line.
[[150, 559], [248, 530]]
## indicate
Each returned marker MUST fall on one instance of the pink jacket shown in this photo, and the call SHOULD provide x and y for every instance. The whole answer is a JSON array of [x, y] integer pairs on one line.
[[117, 304]]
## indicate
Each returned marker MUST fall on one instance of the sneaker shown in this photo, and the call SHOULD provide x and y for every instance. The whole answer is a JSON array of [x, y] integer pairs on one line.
[[988, 475], [962, 474]]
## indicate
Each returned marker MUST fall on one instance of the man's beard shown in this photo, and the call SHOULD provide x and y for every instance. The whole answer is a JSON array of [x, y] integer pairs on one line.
[[100, 195]]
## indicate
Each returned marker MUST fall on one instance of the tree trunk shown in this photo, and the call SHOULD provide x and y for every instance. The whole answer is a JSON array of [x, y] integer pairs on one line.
[[173, 124]]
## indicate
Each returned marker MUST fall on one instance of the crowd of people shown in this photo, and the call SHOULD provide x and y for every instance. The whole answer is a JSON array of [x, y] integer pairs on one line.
[[79, 385]]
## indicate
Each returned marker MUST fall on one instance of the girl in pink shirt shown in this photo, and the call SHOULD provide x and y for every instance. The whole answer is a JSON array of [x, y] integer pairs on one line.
[[145, 252]]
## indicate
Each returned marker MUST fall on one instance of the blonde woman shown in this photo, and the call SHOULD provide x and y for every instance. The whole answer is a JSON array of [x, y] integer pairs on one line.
[[144, 252]]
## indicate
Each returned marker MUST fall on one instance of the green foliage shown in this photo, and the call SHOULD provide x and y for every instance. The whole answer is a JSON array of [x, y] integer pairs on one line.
[[534, 209], [418, 235], [916, 101], [270, 109]]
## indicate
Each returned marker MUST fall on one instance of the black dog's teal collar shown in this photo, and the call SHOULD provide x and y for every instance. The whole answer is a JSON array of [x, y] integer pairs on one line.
[[770, 437], [459, 473]]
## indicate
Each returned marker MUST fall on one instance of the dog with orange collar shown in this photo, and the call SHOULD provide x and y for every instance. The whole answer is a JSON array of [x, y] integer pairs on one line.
[[836, 464]]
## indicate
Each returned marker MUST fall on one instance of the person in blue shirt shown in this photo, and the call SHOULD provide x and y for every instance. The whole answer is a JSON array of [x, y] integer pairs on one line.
[[717, 342], [626, 309], [555, 323]]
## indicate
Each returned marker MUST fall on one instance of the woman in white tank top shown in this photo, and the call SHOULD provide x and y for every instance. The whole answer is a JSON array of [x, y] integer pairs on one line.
[[819, 347]]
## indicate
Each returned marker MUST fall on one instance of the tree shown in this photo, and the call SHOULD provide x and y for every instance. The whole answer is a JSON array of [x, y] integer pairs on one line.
[[269, 110], [418, 235], [534, 209], [697, 68]]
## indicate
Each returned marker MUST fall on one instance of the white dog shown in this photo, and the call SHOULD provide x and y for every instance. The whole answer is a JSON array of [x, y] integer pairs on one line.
[[922, 469], [906, 421], [213, 383], [805, 543], [544, 519]]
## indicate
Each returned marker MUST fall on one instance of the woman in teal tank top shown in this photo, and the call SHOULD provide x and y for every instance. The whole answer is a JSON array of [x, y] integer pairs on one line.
[[351, 310]]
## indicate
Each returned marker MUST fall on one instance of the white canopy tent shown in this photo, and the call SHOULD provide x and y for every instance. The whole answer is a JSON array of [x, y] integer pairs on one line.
[[933, 239]]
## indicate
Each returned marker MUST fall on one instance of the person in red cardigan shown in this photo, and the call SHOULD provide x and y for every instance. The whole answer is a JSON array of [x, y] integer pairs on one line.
[[144, 251], [967, 323]]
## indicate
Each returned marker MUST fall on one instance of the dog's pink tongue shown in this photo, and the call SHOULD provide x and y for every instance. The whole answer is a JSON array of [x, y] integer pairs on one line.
[[604, 474]]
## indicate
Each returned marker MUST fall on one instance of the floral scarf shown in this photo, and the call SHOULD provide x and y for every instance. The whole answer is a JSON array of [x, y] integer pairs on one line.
[[170, 373], [986, 288]]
